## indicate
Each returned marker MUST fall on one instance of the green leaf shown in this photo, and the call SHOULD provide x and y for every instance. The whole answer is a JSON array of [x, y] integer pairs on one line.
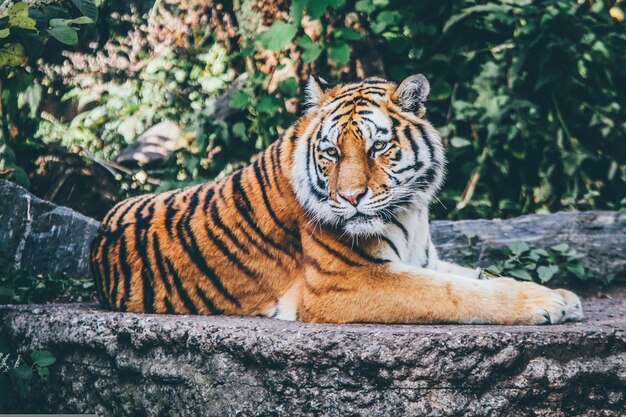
[[88, 8], [239, 130], [4, 33], [521, 274], [83, 20], [481, 8], [6, 295], [278, 35], [518, 248], [578, 270], [365, 6], [18, 17], [561, 247], [546, 273], [296, 11], [239, 100], [30, 97], [268, 105], [347, 34], [310, 50], [289, 86], [42, 358], [316, 8], [458, 142], [12, 55], [64, 34], [339, 53], [23, 372]]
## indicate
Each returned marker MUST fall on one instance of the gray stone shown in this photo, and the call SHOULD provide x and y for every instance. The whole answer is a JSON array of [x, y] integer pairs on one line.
[[118, 364], [600, 235], [41, 238], [153, 146]]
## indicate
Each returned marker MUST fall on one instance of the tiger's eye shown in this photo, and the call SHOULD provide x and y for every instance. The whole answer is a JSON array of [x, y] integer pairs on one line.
[[379, 145], [331, 152]]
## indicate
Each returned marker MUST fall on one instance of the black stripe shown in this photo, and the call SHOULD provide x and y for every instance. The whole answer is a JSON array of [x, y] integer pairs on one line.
[[169, 308], [100, 271], [418, 164], [319, 194], [406, 168], [262, 250], [364, 255], [208, 197], [193, 250], [142, 225], [116, 280], [215, 217], [230, 255], [159, 261], [401, 227], [263, 168], [392, 246], [207, 301], [126, 273], [269, 208], [334, 252], [170, 211], [182, 294], [239, 195], [313, 262], [275, 162]]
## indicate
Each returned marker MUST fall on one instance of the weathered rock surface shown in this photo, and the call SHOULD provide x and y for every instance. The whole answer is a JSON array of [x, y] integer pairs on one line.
[[601, 235], [118, 364], [39, 237]]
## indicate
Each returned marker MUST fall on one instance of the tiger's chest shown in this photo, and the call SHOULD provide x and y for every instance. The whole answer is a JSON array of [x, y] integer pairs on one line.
[[407, 239]]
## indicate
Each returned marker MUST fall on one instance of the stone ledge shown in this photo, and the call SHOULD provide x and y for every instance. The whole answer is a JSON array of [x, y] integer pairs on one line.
[[118, 364]]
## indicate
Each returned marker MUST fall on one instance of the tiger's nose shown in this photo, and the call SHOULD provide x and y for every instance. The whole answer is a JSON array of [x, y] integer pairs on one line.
[[353, 196]]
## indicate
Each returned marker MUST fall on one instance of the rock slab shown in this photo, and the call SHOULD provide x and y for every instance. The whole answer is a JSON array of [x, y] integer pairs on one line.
[[117, 364], [38, 237]]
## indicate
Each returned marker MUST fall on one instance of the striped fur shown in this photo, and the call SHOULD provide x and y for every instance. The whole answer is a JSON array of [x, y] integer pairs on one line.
[[329, 224]]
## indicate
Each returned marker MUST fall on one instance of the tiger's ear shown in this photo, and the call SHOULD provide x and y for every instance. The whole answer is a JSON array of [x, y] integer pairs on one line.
[[412, 93], [314, 91]]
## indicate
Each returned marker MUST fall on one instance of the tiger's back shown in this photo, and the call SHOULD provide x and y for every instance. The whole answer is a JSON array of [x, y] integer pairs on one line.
[[225, 247]]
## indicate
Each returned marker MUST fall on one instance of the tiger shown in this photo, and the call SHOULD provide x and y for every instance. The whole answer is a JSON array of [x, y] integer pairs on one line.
[[329, 224]]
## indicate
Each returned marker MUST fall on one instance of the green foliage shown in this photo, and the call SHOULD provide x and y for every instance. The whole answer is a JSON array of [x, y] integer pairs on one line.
[[18, 287], [525, 94], [26, 32], [16, 372], [558, 264]]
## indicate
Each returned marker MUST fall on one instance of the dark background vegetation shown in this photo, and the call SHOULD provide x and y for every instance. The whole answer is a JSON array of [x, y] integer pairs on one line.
[[528, 95]]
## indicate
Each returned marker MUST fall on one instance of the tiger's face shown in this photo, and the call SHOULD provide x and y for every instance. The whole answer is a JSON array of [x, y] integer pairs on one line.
[[365, 153]]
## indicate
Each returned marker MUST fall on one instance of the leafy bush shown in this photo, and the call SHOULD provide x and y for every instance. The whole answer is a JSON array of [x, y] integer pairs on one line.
[[19, 287], [29, 31], [525, 93], [16, 372], [558, 264]]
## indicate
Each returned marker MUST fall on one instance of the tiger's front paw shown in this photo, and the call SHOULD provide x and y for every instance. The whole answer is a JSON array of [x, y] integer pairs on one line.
[[574, 307], [537, 304]]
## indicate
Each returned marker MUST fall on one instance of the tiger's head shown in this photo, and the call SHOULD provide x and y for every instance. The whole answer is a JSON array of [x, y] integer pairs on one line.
[[365, 153]]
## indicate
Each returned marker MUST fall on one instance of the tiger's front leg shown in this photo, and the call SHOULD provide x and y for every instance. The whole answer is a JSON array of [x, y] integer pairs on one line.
[[396, 293]]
